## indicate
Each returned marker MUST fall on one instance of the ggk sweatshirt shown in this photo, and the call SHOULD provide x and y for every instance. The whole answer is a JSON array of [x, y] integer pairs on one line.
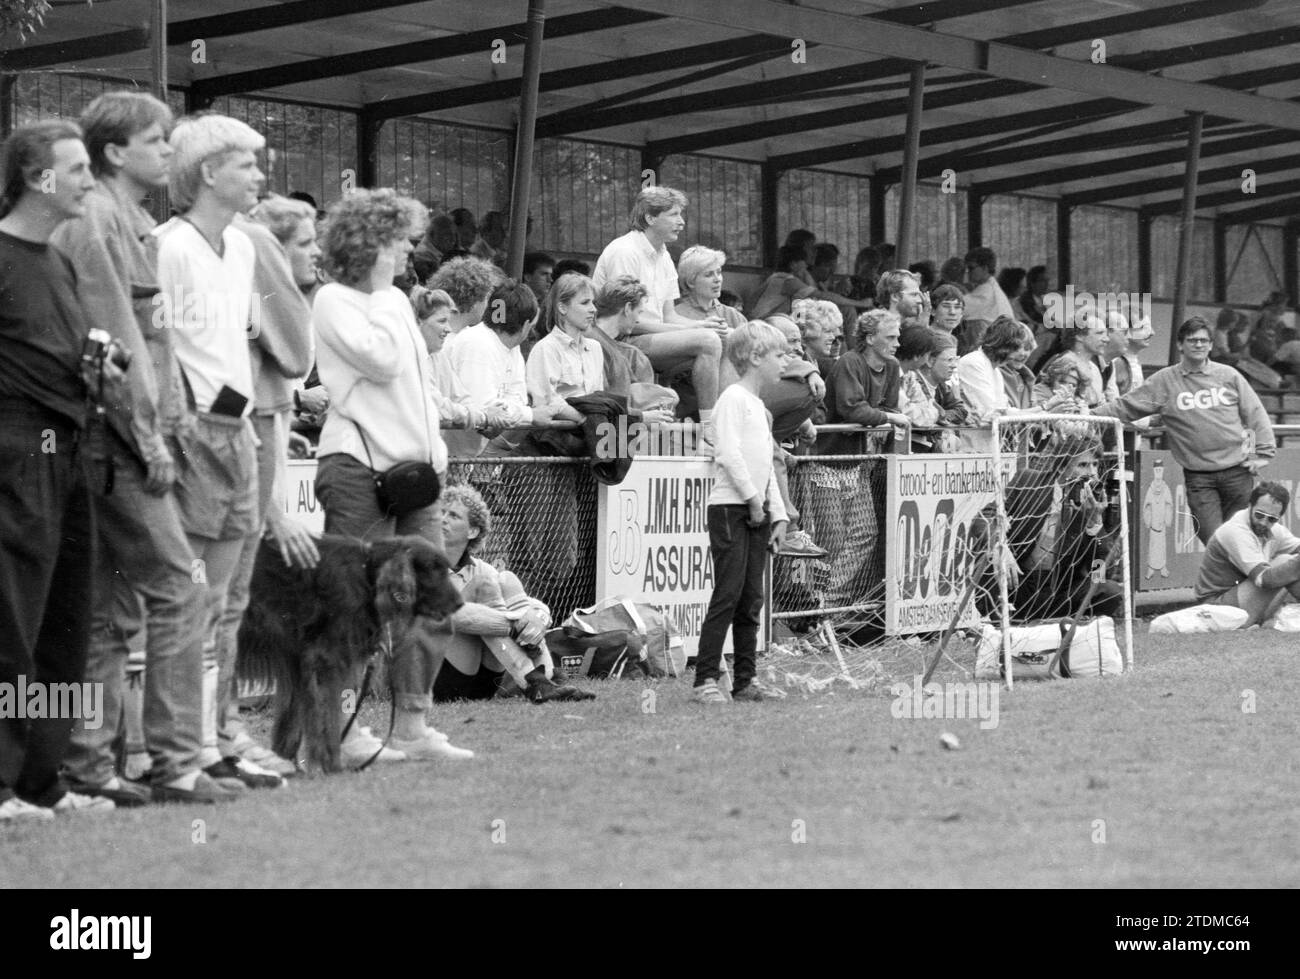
[[1207, 414]]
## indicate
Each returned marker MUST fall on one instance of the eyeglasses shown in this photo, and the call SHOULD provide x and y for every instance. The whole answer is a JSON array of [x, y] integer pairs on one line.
[[952, 306], [1197, 341], [1263, 517]]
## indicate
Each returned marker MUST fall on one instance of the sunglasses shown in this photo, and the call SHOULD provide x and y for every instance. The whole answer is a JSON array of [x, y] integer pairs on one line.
[[1265, 517]]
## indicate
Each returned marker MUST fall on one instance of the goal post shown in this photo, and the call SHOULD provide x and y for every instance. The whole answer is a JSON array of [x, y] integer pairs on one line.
[[1060, 542]]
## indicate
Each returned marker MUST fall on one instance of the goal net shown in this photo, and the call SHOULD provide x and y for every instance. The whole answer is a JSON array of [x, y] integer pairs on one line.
[[1057, 543]]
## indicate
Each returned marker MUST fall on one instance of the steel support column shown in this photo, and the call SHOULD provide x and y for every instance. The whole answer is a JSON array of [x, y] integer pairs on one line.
[[521, 183], [1186, 229], [911, 153]]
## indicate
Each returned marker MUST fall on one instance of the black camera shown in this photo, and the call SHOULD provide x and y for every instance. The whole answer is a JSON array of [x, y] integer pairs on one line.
[[99, 347]]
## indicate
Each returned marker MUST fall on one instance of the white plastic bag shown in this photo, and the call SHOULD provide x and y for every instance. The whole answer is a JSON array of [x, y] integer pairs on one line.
[[1093, 651], [1199, 618]]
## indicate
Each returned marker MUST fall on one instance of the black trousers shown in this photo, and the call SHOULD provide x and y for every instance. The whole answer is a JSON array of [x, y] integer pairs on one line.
[[739, 556], [47, 560]]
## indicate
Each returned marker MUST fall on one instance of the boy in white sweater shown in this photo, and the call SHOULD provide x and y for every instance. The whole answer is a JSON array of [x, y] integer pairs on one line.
[[745, 513]]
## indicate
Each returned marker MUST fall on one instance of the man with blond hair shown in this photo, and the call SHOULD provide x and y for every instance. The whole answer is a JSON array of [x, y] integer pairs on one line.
[[663, 334], [205, 274]]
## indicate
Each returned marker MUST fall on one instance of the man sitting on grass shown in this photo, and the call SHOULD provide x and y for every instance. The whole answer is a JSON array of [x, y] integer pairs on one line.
[[1252, 562], [497, 635]]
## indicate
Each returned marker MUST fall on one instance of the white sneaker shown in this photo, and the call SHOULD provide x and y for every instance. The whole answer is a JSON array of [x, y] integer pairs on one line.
[[428, 748], [74, 802], [246, 748], [361, 746], [15, 810]]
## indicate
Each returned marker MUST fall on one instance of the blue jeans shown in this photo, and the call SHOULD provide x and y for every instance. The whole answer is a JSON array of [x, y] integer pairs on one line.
[[1215, 496], [143, 551], [47, 556]]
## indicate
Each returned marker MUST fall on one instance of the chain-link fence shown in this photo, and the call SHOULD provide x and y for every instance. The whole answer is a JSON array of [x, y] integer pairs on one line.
[[543, 524]]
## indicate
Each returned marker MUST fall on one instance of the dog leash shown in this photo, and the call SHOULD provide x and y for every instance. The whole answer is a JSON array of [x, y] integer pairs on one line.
[[361, 698]]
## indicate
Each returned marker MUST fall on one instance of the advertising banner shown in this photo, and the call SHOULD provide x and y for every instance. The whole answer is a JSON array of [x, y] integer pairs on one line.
[[930, 504], [652, 539]]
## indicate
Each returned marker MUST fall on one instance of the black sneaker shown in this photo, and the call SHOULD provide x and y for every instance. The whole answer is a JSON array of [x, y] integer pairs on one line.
[[128, 794], [234, 767], [748, 692], [543, 691]]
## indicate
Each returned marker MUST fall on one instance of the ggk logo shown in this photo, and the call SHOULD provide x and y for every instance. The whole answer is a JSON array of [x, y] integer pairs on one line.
[[1207, 398]]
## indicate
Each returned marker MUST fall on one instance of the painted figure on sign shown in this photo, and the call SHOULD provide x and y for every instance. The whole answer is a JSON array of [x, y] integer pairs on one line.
[[1158, 514]]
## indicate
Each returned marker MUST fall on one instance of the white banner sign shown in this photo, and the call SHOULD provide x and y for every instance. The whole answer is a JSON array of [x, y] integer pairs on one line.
[[300, 495], [931, 502]]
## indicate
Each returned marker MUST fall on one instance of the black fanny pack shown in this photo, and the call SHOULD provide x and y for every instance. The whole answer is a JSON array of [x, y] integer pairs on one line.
[[406, 487]]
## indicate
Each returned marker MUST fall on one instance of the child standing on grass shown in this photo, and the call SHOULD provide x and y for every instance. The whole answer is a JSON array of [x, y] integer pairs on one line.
[[745, 513]]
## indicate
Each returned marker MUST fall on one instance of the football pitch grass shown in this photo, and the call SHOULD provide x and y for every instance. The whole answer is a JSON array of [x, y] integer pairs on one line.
[[1155, 779]]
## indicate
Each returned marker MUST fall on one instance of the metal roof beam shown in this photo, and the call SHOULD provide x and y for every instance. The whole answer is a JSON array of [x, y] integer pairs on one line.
[[1156, 185], [1225, 197], [964, 161], [1000, 60], [583, 118], [412, 52], [1288, 208], [508, 88], [35, 57], [975, 93]]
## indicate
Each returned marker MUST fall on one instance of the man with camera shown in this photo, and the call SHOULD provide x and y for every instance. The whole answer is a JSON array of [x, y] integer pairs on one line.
[[47, 527], [144, 554]]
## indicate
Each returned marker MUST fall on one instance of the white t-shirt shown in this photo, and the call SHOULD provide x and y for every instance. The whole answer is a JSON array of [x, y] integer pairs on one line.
[[632, 254], [488, 372], [208, 302]]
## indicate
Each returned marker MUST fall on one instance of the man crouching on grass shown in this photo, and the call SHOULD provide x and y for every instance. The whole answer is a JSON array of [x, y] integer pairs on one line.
[[497, 636], [745, 514], [1252, 561]]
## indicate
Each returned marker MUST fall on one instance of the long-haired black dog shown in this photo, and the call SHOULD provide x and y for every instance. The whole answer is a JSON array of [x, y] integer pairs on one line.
[[310, 630]]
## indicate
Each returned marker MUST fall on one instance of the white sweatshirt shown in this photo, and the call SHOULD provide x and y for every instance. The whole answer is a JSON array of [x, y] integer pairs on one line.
[[373, 362], [742, 459]]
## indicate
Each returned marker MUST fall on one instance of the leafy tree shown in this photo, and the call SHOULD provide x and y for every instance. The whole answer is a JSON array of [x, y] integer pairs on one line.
[[23, 17]]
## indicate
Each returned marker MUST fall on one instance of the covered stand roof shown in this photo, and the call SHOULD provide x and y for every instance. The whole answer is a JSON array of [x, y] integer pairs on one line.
[[1014, 100]]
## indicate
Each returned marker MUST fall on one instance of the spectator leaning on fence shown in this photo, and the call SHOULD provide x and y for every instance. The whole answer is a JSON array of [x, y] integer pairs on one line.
[[47, 540], [486, 359], [745, 514], [144, 554], [619, 306], [864, 385], [822, 325], [1017, 378], [469, 282], [1252, 561], [566, 362], [433, 311], [983, 388], [373, 361], [1216, 427]]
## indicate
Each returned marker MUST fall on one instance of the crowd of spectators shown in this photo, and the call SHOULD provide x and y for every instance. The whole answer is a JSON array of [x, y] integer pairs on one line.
[[252, 326]]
